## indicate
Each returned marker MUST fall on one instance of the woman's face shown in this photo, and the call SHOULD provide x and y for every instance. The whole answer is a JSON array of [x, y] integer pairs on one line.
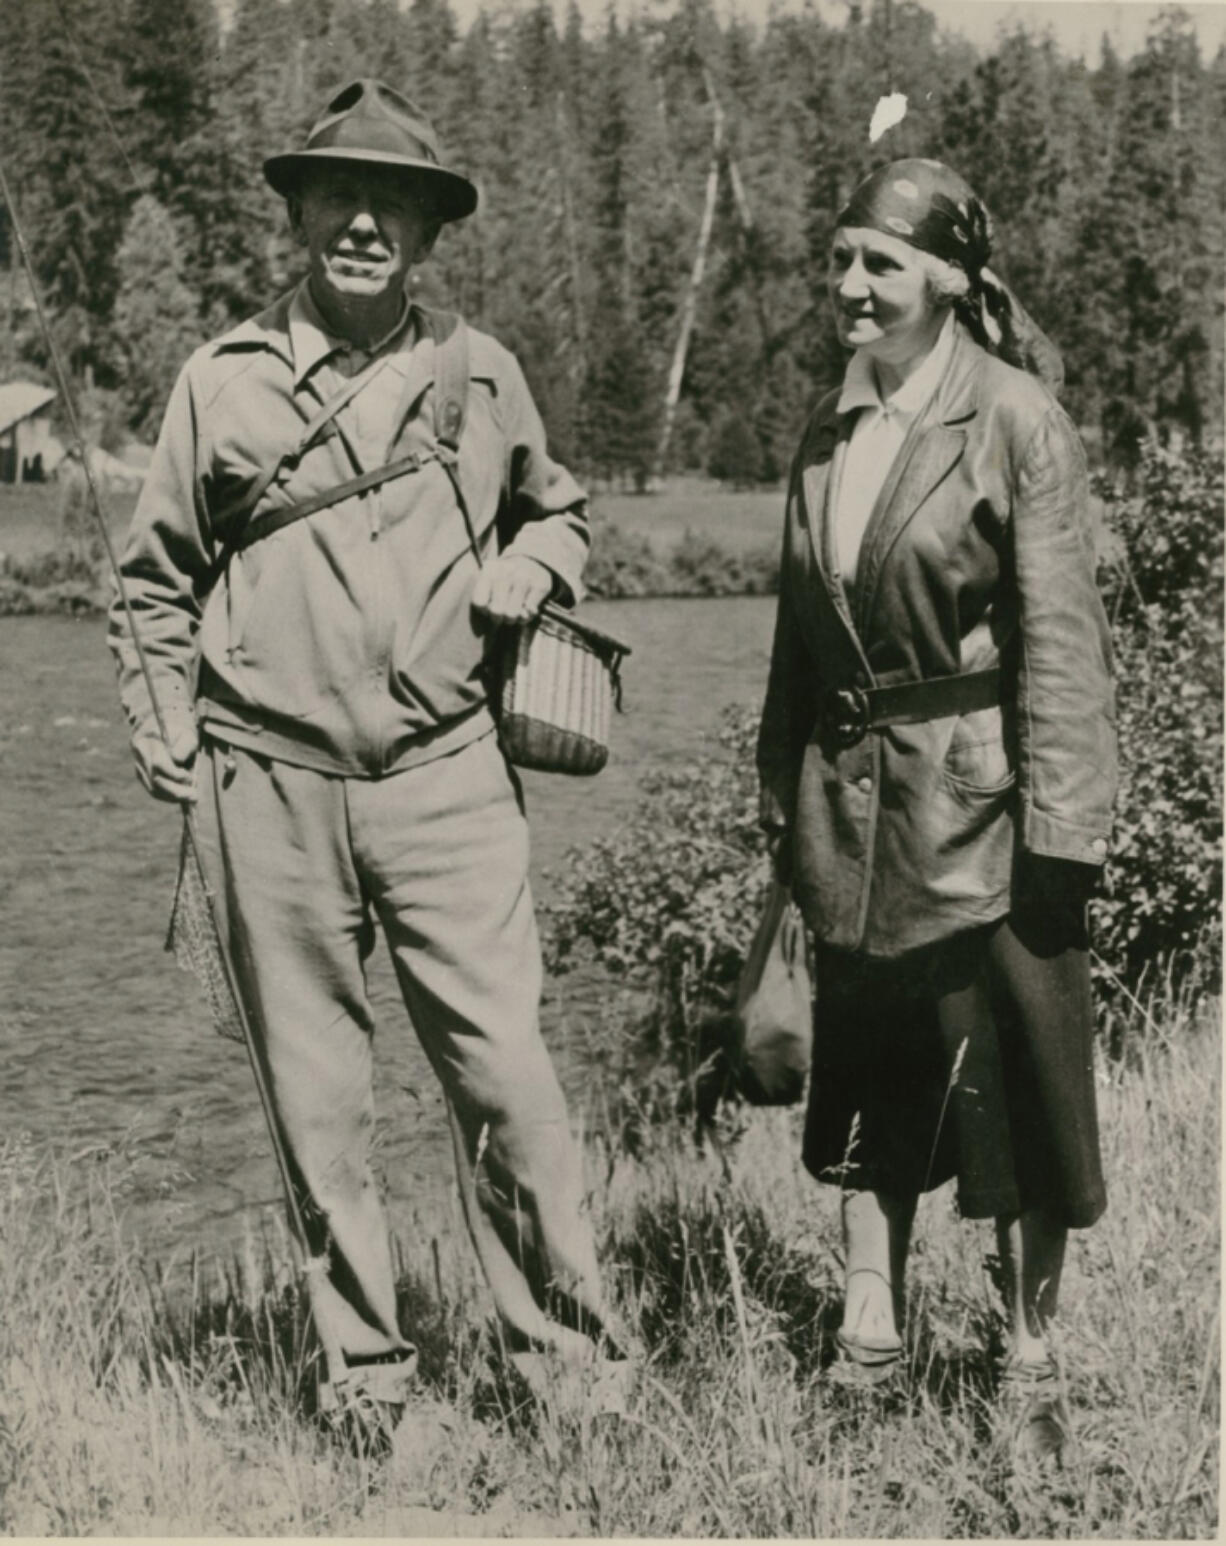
[[879, 290]]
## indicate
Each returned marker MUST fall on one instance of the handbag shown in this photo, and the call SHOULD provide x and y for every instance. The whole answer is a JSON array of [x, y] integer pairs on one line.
[[773, 1017], [553, 681]]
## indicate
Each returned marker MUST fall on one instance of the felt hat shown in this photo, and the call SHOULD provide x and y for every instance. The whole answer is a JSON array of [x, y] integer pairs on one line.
[[368, 123]]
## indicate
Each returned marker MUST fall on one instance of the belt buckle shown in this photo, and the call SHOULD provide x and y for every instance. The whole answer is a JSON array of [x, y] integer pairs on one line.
[[846, 714]]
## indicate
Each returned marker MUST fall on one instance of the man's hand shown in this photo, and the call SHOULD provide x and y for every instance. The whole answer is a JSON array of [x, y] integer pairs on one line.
[[168, 773], [512, 588]]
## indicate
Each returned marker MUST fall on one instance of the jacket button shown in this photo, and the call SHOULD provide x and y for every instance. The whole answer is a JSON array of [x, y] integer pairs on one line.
[[865, 785], [1099, 845], [861, 679]]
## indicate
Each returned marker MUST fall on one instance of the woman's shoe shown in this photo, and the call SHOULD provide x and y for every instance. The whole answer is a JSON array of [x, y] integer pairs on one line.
[[866, 1361], [1031, 1393]]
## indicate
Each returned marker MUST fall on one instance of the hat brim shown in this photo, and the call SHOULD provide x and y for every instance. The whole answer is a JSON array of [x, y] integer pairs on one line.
[[453, 197]]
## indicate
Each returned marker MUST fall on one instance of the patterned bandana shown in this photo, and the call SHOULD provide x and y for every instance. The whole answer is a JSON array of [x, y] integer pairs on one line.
[[926, 204]]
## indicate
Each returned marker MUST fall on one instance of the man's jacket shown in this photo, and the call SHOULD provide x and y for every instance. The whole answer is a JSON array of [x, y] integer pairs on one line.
[[344, 641], [978, 554]]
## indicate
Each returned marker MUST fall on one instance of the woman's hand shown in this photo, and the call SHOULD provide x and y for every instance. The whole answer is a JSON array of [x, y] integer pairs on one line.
[[512, 588], [1050, 881], [1050, 897], [779, 848]]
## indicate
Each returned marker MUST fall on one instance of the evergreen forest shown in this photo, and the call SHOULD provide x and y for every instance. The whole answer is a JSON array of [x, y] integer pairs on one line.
[[615, 161]]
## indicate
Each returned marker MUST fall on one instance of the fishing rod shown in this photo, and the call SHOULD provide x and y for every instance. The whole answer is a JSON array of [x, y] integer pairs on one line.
[[312, 1266]]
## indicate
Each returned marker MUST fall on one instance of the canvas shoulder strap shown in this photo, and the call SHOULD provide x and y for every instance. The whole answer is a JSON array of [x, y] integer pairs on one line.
[[450, 336], [451, 404]]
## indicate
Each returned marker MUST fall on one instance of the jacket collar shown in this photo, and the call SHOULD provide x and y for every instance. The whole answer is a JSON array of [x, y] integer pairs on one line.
[[292, 329], [311, 342], [934, 444]]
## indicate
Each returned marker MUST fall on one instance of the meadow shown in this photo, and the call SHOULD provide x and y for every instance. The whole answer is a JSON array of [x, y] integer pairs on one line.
[[141, 1400]]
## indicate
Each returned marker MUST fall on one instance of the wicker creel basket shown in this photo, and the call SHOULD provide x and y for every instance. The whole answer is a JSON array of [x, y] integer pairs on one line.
[[558, 681]]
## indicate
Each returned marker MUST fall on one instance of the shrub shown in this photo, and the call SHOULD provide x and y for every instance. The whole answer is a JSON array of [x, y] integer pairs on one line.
[[62, 579], [1164, 879], [701, 566], [625, 565], [669, 903]]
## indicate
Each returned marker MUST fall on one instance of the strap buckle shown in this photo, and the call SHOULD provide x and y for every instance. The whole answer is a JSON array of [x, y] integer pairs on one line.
[[845, 714]]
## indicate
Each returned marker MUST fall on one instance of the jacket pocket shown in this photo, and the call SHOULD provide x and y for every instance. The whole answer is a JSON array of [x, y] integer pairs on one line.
[[978, 761], [296, 639]]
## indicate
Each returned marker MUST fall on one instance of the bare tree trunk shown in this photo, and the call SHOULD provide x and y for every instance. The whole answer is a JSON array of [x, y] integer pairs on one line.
[[689, 305], [578, 319]]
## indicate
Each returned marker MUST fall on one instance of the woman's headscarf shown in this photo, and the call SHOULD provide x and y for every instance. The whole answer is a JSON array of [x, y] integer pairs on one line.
[[926, 204]]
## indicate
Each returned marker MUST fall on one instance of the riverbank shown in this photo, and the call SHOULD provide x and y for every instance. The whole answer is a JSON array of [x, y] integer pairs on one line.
[[688, 540], [154, 1398]]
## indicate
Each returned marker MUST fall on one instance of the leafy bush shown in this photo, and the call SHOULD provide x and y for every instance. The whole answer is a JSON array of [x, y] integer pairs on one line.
[[62, 579], [670, 902], [701, 566], [1164, 880], [624, 564]]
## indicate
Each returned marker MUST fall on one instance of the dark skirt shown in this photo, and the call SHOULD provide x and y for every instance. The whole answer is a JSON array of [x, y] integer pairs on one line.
[[970, 1058]]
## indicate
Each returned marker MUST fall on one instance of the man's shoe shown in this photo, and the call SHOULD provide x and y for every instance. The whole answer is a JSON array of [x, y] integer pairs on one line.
[[363, 1408]]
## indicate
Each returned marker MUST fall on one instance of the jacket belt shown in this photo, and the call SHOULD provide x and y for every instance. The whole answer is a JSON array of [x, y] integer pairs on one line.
[[849, 713]]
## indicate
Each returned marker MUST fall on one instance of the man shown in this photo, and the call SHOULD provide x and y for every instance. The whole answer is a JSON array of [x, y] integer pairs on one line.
[[324, 705]]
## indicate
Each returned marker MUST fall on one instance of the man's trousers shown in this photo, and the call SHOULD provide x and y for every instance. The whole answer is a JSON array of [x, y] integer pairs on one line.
[[303, 864]]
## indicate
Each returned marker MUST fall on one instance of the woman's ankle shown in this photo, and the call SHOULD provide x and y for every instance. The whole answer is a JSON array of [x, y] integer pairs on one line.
[[868, 1307], [1029, 1352]]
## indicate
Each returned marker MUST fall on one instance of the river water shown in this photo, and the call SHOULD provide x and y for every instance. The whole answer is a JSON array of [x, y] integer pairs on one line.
[[106, 1045]]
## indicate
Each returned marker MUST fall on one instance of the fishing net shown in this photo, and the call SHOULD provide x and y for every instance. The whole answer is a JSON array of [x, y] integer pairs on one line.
[[196, 944]]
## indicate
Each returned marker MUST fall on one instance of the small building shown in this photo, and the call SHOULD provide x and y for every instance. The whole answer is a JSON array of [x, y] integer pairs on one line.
[[28, 450]]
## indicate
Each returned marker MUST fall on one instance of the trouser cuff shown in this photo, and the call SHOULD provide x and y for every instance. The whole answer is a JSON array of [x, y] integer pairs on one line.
[[386, 1382]]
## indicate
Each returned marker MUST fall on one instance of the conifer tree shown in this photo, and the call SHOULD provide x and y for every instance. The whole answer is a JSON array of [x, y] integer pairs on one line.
[[156, 317]]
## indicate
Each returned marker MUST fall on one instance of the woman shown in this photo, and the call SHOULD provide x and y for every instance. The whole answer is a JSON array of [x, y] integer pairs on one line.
[[937, 762]]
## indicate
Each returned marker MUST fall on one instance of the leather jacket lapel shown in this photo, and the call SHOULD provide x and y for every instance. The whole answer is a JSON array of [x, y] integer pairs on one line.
[[929, 454], [817, 480]]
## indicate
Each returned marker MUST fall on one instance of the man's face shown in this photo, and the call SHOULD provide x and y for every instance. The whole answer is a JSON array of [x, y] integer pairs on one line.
[[364, 228]]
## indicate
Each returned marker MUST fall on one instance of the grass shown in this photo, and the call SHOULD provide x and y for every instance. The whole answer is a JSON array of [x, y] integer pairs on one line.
[[145, 1400]]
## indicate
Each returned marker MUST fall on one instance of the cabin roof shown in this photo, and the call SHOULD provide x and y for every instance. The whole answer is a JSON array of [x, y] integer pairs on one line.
[[20, 399]]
